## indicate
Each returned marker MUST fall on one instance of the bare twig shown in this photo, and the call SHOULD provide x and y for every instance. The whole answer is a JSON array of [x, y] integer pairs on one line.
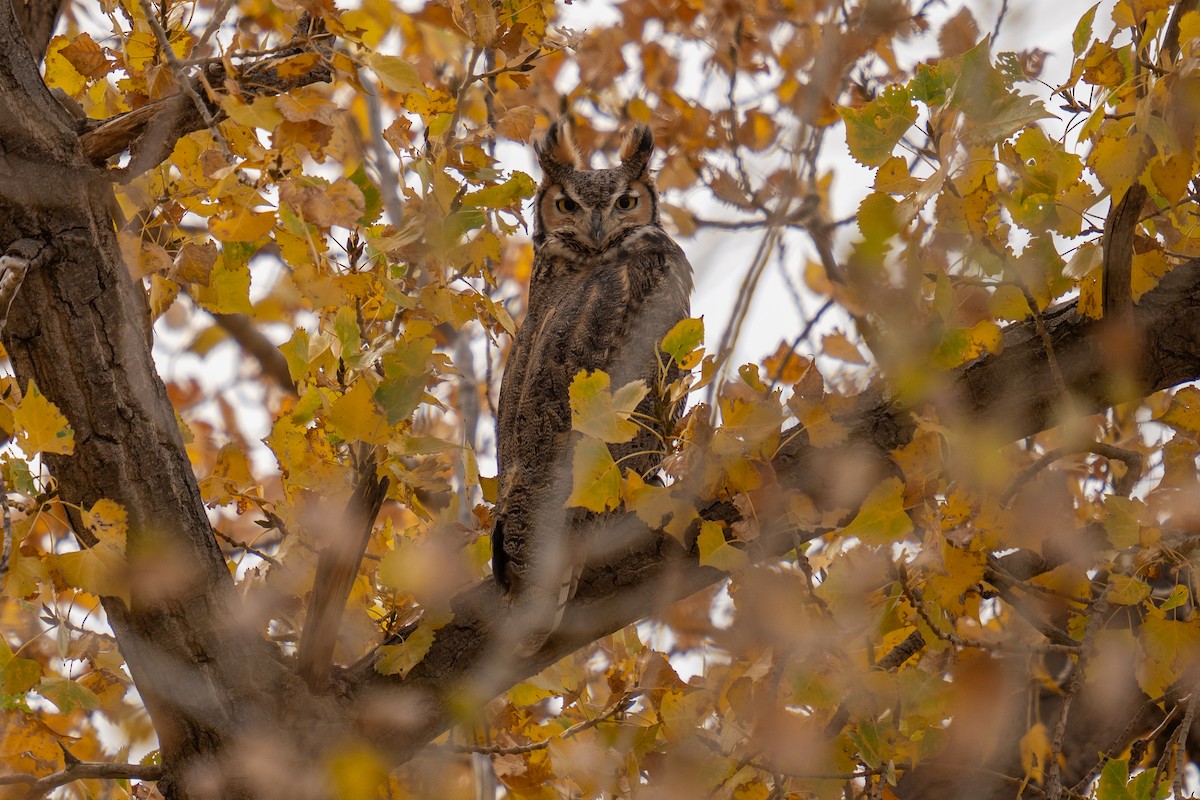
[[6, 554], [1054, 787], [917, 602], [1133, 463], [246, 547], [1181, 735], [620, 707]]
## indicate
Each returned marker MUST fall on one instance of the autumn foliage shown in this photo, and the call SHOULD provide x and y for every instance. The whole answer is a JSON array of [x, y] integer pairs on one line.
[[935, 541]]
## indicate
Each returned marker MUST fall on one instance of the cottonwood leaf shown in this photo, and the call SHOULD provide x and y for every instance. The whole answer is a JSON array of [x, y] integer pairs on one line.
[[1035, 751], [1184, 412], [231, 475], [1114, 783], [596, 479], [716, 552], [68, 695], [395, 73], [398, 659], [1126, 591], [41, 427], [683, 341], [1168, 647], [516, 188], [658, 506], [881, 519], [874, 130], [242, 225], [355, 416], [597, 412]]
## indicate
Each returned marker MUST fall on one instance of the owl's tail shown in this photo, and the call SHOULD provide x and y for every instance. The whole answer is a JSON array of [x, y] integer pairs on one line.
[[533, 616]]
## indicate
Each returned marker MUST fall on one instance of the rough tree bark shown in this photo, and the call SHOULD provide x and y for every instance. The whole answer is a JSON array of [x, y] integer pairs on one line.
[[224, 701]]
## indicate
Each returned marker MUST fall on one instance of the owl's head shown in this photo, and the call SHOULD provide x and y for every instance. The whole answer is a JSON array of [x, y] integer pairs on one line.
[[591, 209]]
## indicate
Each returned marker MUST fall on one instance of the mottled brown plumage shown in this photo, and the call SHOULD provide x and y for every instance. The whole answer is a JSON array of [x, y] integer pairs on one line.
[[607, 283]]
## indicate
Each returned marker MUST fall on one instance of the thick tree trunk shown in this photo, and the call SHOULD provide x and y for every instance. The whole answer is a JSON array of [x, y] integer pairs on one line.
[[79, 328]]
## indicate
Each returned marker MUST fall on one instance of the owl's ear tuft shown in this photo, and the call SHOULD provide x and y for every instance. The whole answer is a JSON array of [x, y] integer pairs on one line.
[[636, 150], [557, 151]]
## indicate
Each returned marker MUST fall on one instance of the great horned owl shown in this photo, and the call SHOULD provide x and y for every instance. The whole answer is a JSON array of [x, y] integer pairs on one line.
[[607, 284]]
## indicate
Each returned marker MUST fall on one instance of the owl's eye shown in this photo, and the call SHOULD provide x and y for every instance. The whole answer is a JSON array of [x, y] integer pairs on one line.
[[627, 202], [566, 205]]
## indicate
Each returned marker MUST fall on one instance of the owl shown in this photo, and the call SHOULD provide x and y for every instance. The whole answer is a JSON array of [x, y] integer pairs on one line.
[[607, 283]]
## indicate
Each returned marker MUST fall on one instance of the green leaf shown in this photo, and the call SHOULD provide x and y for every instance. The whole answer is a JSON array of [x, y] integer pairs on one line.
[[874, 130], [985, 95], [68, 695], [598, 412], [681, 341], [881, 519], [596, 482], [1083, 31], [503, 195], [19, 676]]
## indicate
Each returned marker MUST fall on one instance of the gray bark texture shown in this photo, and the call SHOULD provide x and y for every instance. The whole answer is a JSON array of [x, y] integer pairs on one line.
[[233, 716]]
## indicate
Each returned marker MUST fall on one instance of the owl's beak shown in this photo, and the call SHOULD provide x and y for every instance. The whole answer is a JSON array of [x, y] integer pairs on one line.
[[597, 228]]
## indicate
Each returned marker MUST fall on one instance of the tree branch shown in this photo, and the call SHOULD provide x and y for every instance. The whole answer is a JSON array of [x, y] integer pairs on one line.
[[83, 770], [642, 571]]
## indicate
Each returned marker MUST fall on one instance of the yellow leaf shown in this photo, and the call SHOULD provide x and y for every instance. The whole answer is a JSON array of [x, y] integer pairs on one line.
[[356, 770], [395, 73], [259, 113], [1168, 647], [596, 480], [1035, 750], [836, 345], [1126, 591], [41, 427], [398, 659], [355, 416], [230, 475], [1148, 269], [1184, 411], [881, 519], [1118, 161], [598, 412], [242, 225], [100, 569], [683, 340], [658, 506], [716, 552]]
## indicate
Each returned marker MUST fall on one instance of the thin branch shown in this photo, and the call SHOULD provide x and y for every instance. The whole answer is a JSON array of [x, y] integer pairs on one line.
[[83, 770], [620, 707], [180, 73], [6, 553], [1054, 786], [242, 330], [1181, 735], [246, 547], [337, 567], [917, 601]]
